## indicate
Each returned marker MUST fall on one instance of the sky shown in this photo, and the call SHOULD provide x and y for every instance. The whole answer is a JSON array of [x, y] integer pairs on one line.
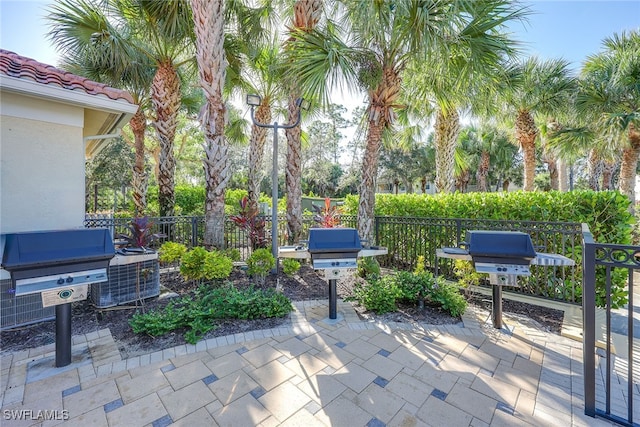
[[571, 29]]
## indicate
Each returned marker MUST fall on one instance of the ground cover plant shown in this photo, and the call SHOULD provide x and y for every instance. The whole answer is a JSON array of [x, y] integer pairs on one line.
[[197, 314]]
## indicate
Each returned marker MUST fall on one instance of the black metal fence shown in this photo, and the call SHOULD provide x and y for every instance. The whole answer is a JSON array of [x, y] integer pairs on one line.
[[611, 376], [408, 238]]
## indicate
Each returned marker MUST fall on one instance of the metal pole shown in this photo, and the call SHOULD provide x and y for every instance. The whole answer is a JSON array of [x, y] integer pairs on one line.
[[63, 335], [274, 198], [496, 309], [274, 175], [333, 299]]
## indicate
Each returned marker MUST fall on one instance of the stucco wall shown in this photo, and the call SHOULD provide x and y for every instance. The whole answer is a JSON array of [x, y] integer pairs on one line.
[[41, 165]]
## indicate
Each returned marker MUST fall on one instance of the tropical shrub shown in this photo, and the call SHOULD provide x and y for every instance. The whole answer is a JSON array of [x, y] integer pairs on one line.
[[191, 263], [368, 267], [327, 216], [290, 266], [379, 295], [260, 263], [382, 294], [171, 252], [216, 266], [140, 233], [249, 220], [448, 296]]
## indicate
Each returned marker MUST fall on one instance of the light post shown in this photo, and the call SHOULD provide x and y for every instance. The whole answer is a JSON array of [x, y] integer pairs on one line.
[[254, 101]]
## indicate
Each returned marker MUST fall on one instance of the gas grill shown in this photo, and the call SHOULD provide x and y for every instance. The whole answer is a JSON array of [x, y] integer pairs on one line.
[[504, 255], [59, 265], [334, 251], [334, 248]]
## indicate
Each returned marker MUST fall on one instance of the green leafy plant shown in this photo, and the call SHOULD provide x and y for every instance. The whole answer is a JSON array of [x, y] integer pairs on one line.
[[232, 253], [260, 263], [197, 315], [290, 266], [379, 295], [368, 267], [382, 294], [216, 266], [191, 263], [449, 297], [171, 252], [414, 287], [467, 274]]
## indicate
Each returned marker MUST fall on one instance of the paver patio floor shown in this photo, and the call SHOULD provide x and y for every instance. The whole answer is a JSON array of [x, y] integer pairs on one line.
[[312, 372]]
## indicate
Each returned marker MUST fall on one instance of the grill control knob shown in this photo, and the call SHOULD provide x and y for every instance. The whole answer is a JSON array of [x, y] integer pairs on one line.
[[61, 281], [69, 279]]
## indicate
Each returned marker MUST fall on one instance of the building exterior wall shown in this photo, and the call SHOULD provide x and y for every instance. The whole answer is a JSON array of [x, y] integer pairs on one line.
[[41, 165]]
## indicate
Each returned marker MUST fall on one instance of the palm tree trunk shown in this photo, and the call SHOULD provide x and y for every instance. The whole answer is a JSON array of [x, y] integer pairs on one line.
[[306, 14], [629, 165], [609, 168], [552, 167], [165, 96], [256, 153], [447, 128], [563, 176], [208, 16], [366, 203], [380, 116], [526, 133], [594, 168], [293, 175], [483, 171], [139, 182]]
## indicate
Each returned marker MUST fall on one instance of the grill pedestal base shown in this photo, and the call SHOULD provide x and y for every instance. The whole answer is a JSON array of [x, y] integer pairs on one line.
[[63, 335], [496, 306], [333, 299]]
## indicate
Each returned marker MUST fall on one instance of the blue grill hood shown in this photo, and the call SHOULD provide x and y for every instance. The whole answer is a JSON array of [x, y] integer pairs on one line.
[[508, 247], [334, 240], [41, 253]]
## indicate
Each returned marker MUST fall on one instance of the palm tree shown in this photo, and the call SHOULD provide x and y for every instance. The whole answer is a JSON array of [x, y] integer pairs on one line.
[[490, 149], [156, 30], [91, 47], [469, 64], [610, 93], [208, 17], [167, 27], [535, 87], [306, 14], [380, 40]]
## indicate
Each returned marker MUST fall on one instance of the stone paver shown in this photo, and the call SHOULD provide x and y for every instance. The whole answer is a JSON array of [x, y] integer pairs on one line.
[[312, 372]]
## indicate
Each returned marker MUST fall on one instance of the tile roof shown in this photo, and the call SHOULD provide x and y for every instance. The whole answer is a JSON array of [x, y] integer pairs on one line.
[[14, 65]]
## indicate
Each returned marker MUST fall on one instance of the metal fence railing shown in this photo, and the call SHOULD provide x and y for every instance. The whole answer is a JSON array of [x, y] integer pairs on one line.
[[611, 371], [406, 238]]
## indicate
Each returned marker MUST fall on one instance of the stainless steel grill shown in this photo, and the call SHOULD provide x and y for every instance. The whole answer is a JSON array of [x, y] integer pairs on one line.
[[59, 265], [334, 251], [334, 248], [504, 255]]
